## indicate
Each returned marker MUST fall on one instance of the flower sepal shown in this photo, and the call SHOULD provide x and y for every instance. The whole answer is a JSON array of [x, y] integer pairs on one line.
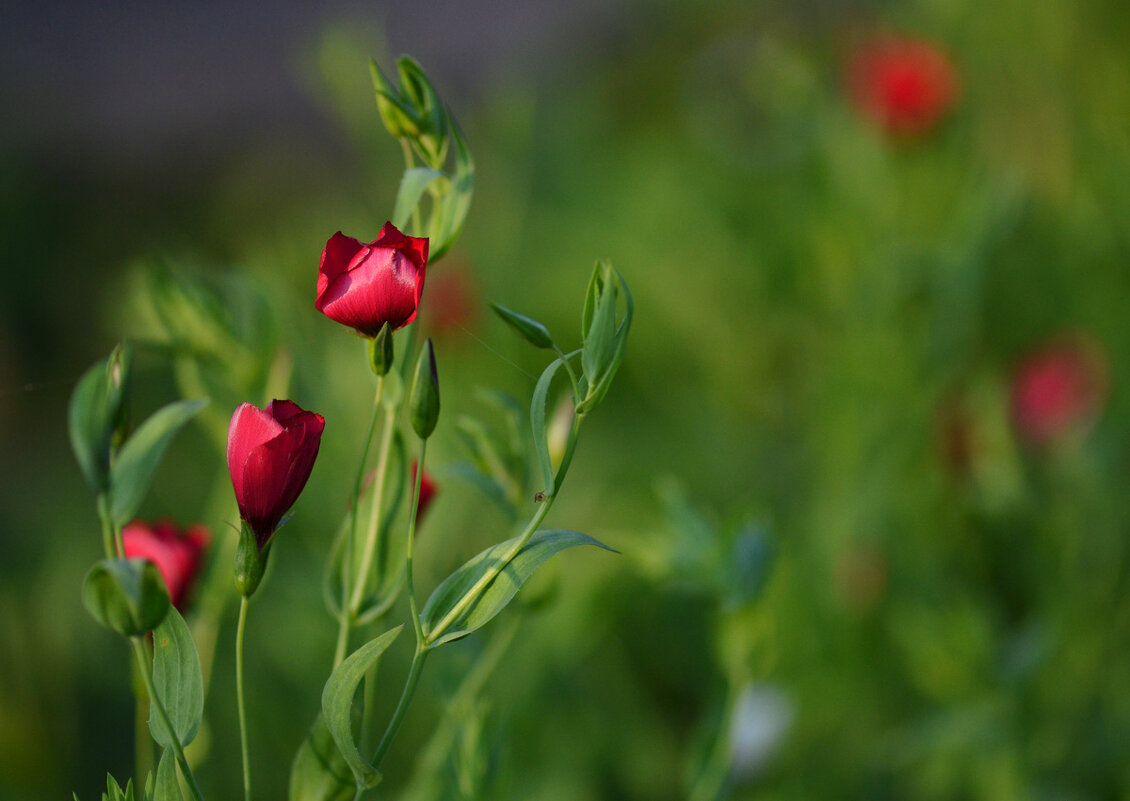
[[250, 562]]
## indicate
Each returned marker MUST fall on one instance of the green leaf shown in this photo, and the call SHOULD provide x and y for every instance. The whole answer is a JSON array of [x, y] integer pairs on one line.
[[91, 427], [412, 187], [177, 682], [319, 771], [167, 788], [499, 592], [133, 470], [527, 327], [537, 424], [337, 704], [599, 341], [125, 595]]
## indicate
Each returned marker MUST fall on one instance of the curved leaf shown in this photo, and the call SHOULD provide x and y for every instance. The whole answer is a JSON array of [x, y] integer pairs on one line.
[[133, 470], [177, 681], [337, 704], [498, 593], [537, 424]]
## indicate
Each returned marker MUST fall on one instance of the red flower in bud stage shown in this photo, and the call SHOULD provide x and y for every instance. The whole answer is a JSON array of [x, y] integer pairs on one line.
[[906, 85], [270, 455], [1059, 388], [366, 286], [428, 491], [178, 554]]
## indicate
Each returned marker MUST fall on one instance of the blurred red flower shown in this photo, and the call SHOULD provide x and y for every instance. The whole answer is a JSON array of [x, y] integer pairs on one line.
[[906, 85], [1060, 388], [178, 554], [366, 286], [428, 489], [453, 301]]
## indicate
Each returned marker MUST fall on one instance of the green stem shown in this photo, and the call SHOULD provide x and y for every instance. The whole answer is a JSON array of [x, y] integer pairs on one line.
[[111, 535], [346, 621], [178, 749], [142, 742], [239, 698], [402, 707], [374, 516], [472, 594], [413, 511], [716, 769]]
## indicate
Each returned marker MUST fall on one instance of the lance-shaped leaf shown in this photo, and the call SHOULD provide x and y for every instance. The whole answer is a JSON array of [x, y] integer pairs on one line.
[[509, 576], [177, 682], [337, 703], [528, 328], [133, 470], [320, 772]]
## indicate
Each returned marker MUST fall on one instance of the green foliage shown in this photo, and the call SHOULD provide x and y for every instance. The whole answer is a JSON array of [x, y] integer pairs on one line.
[[177, 681], [133, 468], [510, 571], [337, 704], [126, 595], [527, 327], [319, 771]]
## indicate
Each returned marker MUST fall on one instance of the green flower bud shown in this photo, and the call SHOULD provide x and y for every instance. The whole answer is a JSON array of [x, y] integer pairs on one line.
[[126, 595], [527, 327], [605, 338], [399, 118], [250, 562], [380, 351], [424, 400]]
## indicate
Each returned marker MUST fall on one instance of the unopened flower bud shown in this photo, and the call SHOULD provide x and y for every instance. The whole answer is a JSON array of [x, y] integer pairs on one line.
[[424, 401], [126, 595], [381, 351]]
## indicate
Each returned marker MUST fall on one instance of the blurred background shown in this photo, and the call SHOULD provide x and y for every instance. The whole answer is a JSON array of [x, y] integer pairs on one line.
[[866, 460]]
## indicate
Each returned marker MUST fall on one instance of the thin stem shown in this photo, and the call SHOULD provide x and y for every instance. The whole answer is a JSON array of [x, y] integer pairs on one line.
[[402, 707], [716, 768], [413, 511], [472, 594], [409, 163], [178, 749], [572, 375], [142, 742], [374, 516], [347, 560], [239, 698], [111, 535]]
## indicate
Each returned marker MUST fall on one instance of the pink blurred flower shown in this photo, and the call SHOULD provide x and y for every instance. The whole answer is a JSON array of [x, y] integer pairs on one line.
[[1060, 388], [178, 554], [906, 85], [428, 489]]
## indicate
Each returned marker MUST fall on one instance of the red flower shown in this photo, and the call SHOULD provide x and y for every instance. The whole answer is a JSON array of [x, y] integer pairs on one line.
[[906, 85], [178, 554], [366, 286], [453, 302], [270, 455], [1059, 388], [428, 489]]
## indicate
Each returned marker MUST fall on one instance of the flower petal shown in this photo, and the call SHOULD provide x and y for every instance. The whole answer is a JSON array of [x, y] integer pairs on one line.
[[336, 257], [385, 286], [250, 427]]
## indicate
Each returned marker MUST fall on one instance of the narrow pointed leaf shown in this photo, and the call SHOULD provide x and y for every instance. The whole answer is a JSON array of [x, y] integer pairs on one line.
[[538, 425], [319, 771], [90, 427], [337, 704], [527, 327], [542, 545], [177, 681], [139, 457]]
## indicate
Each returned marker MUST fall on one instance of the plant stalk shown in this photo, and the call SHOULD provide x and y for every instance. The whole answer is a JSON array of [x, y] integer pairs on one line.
[[239, 698]]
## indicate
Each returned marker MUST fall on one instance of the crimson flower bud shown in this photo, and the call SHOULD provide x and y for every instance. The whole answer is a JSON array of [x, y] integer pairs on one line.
[[428, 491], [270, 455], [906, 85], [1059, 389], [366, 286], [178, 554]]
